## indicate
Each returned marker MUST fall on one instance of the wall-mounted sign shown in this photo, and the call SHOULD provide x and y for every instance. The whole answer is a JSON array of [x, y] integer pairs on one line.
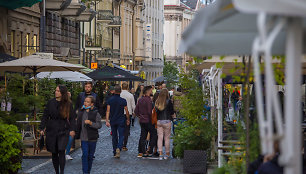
[[94, 65], [148, 41]]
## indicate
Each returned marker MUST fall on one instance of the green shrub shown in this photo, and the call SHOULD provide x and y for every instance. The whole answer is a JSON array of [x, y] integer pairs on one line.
[[197, 132], [193, 137], [10, 149]]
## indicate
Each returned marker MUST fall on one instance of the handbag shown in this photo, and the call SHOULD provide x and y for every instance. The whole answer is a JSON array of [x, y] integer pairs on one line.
[[154, 117]]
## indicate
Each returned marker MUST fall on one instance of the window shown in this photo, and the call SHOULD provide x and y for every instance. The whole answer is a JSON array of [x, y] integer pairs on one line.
[[27, 43], [20, 44], [35, 43], [12, 43]]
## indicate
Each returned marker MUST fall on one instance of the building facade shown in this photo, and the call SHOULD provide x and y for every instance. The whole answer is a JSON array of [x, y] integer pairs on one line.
[[97, 35], [153, 17], [178, 15], [19, 30]]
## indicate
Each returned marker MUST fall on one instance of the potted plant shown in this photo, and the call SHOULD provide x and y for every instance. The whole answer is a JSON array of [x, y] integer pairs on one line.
[[193, 137]]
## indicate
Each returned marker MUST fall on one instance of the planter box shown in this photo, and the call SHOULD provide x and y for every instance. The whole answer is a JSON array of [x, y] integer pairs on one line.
[[195, 161]]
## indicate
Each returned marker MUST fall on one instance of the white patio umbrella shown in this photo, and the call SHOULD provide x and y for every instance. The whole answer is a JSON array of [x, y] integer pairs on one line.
[[36, 63], [65, 75], [219, 29]]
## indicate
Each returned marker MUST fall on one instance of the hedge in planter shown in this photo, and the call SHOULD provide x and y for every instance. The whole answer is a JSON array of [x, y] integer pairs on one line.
[[10, 149], [193, 137]]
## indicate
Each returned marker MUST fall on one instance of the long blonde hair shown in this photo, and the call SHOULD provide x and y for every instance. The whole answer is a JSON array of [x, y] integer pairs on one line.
[[162, 98]]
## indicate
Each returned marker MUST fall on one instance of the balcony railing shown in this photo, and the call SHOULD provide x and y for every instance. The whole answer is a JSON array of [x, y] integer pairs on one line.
[[105, 15], [116, 22], [93, 41], [110, 53], [116, 53]]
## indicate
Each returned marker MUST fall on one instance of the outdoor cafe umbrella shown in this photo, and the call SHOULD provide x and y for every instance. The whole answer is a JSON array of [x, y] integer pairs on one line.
[[65, 75], [108, 73], [219, 29], [37, 63]]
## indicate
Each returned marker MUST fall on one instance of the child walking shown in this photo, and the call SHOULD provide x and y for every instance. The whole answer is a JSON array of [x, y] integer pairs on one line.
[[88, 123]]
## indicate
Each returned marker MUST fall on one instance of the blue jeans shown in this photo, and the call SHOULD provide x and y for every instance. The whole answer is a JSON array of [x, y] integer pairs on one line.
[[68, 147], [88, 149], [117, 129]]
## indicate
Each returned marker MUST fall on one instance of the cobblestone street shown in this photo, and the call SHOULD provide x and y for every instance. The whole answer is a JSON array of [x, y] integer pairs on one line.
[[105, 163]]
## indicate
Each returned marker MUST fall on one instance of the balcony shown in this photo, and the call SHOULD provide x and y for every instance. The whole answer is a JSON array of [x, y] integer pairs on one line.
[[116, 53], [105, 16], [57, 4], [93, 43], [74, 9], [116, 22], [109, 53], [87, 15]]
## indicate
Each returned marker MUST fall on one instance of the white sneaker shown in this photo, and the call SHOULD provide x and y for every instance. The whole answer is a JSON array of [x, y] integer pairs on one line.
[[68, 157], [160, 157], [166, 157]]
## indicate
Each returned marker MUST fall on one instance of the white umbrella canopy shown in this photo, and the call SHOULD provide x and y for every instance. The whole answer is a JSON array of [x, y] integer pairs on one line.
[[65, 75], [219, 29], [37, 63]]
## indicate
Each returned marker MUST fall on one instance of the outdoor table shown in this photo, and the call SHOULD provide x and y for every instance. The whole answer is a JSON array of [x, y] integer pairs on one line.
[[29, 135], [30, 132]]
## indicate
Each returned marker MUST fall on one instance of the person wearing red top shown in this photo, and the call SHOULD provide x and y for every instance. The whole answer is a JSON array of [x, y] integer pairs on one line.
[[143, 111]]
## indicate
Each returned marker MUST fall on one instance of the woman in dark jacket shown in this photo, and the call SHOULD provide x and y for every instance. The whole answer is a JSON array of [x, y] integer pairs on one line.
[[58, 123]]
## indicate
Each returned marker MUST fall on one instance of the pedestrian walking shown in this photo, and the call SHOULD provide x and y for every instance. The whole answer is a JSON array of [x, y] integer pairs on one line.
[[135, 100], [116, 120], [87, 92], [88, 123], [139, 92], [177, 101], [131, 107], [143, 110], [58, 122], [165, 113], [235, 98], [79, 103]]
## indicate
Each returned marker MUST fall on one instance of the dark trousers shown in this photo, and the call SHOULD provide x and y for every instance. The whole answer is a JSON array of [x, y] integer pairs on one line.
[[126, 133], [153, 137], [145, 128], [117, 129], [59, 160], [88, 149]]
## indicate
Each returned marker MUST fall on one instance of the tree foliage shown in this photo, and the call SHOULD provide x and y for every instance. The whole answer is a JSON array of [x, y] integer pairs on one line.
[[197, 131], [170, 72]]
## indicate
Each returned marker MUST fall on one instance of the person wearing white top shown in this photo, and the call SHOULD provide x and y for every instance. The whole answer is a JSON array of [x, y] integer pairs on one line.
[[131, 107]]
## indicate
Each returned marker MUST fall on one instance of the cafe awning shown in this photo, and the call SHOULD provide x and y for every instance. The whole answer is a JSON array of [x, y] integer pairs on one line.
[[13, 4]]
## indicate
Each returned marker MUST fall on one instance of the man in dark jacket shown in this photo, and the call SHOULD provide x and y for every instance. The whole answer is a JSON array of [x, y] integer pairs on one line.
[[116, 119], [143, 110], [87, 92]]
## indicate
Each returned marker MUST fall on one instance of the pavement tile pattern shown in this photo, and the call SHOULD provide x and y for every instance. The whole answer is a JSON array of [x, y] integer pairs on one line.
[[105, 163]]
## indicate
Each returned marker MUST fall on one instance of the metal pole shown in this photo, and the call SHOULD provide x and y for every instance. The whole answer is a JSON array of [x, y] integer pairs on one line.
[[293, 98], [220, 115], [83, 43], [42, 26]]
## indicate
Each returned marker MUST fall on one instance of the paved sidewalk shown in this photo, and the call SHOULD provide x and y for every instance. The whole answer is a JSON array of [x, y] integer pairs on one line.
[[104, 163]]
